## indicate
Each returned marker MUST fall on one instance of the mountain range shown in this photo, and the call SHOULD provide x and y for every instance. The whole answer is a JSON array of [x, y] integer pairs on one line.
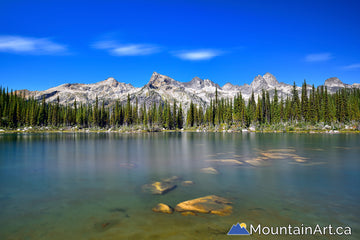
[[161, 88]]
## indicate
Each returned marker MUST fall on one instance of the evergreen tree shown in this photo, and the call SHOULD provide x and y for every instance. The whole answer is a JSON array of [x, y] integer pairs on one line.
[[275, 109], [128, 112], [96, 112], [304, 103], [295, 104], [180, 118], [190, 115]]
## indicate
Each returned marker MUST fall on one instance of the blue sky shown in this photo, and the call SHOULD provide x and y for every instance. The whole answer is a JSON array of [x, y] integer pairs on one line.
[[47, 43]]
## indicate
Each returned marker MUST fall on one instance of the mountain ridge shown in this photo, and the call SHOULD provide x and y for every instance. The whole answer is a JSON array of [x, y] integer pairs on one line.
[[161, 88]]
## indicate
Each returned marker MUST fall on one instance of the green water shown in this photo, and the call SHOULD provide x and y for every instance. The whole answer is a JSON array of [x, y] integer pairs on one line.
[[68, 186]]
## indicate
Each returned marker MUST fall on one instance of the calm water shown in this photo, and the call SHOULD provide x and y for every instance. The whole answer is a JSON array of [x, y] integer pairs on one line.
[[66, 186]]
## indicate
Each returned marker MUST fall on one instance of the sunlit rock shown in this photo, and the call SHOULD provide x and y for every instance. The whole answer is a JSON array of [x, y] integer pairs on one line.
[[188, 214], [187, 183], [255, 161], [209, 170], [159, 187], [226, 161], [209, 204], [172, 179], [163, 208]]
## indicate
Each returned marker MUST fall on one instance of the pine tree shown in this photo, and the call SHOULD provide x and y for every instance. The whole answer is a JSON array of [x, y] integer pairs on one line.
[[190, 115], [96, 112], [259, 111], [180, 118], [275, 109], [304, 103], [174, 115], [295, 104], [128, 113], [42, 114]]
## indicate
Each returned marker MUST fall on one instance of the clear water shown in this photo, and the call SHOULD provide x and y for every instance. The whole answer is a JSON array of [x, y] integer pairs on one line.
[[68, 186]]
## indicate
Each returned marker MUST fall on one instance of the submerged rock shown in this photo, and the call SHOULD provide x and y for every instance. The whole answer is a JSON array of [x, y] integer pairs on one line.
[[159, 187], [187, 183], [300, 159], [226, 161], [255, 161], [163, 208], [208, 204], [163, 186], [209, 170], [172, 179], [275, 155], [188, 214]]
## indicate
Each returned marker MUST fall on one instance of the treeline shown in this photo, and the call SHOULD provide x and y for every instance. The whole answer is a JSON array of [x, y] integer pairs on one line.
[[316, 105], [313, 106], [16, 111]]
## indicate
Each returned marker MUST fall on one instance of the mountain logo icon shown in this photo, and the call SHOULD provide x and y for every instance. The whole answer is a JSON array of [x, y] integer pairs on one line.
[[238, 229]]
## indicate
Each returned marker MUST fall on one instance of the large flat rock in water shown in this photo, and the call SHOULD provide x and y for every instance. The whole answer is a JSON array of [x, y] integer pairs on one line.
[[208, 204]]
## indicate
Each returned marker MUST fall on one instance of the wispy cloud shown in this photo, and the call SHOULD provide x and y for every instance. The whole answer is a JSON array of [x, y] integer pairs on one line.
[[126, 49], [28, 45], [352, 66], [197, 55], [318, 57]]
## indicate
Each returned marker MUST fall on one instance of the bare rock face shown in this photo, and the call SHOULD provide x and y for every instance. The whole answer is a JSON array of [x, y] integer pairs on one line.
[[161, 88], [334, 82], [196, 83], [111, 82], [231, 88], [271, 80], [209, 204], [163, 208], [158, 81], [228, 86], [258, 84]]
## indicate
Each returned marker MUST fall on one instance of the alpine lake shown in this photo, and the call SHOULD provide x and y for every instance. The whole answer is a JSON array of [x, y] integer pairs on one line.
[[91, 185]]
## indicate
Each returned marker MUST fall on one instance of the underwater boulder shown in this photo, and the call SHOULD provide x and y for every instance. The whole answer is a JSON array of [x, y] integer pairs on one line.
[[163, 208], [159, 187], [209, 204]]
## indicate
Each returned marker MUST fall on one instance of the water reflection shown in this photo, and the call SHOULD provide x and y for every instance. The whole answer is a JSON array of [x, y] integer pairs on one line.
[[76, 177]]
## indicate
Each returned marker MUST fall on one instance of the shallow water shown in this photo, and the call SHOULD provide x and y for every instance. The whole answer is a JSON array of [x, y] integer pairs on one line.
[[88, 186]]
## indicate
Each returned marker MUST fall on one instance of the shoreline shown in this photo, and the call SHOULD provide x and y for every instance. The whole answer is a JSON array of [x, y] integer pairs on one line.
[[127, 131]]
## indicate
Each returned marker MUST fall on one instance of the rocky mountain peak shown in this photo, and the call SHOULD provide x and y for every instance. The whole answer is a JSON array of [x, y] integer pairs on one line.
[[209, 83], [162, 88], [228, 86], [157, 81], [334, 82], [111, 82], [195, 83], [270, 79], [197, 80], [259, 83]]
